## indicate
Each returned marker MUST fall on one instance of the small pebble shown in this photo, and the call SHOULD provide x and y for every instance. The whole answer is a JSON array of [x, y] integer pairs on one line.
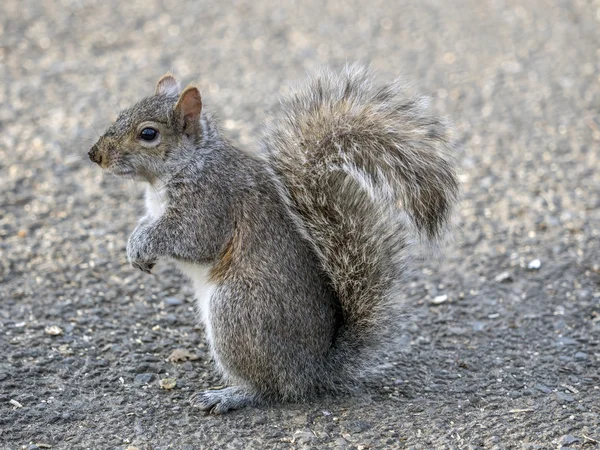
[[439, 299], [173, 301], [357, 426], [503, 277], [534, 264], [570, 388], [478, 326], [568, 439], [167, 383], [65, 350], [563, 340], [15, 403], [563, 396], [181, 355], [543, 388], [53, 330], [144, 378]]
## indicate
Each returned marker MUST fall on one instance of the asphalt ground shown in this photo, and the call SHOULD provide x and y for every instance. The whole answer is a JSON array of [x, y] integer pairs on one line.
[[502, 347]]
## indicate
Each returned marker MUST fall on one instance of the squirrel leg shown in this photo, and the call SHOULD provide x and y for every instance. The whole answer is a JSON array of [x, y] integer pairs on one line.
[[219, 401]]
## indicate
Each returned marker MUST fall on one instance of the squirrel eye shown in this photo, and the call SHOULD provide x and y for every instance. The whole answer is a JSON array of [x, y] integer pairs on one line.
[[148, 134]]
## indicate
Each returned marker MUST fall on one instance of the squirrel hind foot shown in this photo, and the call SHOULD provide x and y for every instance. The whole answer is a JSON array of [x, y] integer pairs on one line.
[[219, 401]]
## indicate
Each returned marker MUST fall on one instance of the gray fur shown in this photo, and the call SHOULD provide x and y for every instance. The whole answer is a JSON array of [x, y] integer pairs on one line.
[[364, 171], [307, 245]]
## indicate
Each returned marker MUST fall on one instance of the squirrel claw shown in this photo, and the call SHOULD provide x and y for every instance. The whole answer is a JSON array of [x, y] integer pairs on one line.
[[145, 267], [219, 401]]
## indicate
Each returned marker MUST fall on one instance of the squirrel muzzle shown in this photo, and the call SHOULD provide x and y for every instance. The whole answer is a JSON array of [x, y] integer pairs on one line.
[[95, 155]]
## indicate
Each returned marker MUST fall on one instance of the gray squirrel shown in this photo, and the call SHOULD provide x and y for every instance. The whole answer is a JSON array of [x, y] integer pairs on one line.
[[296, 254]]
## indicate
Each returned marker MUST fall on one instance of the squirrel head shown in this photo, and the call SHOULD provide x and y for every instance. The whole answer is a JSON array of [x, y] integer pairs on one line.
[[147, 136]]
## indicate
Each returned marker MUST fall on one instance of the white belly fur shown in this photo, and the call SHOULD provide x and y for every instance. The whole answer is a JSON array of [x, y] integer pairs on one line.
[[156, 203], [203, 290]]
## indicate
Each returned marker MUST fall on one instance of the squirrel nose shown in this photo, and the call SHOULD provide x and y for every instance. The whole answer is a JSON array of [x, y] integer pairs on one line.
[[94, 155]]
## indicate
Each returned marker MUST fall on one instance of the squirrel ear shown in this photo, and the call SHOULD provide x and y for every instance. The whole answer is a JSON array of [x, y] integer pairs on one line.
[[167, 85], [189, 104]]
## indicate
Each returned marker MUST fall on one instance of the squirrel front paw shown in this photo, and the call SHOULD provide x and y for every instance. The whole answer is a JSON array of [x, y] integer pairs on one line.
[[137, 253], [144, 266]]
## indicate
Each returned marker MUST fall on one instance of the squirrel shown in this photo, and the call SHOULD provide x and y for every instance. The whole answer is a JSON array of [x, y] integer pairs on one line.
[[296, 253]]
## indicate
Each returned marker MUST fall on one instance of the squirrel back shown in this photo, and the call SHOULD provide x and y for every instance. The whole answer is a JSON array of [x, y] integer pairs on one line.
[[366, 173]]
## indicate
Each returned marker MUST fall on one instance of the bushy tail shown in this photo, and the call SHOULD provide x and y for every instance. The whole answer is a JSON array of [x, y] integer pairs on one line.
[[366, 171]]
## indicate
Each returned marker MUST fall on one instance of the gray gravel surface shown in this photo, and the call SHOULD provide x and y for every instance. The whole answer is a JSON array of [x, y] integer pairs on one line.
[[509, 359]]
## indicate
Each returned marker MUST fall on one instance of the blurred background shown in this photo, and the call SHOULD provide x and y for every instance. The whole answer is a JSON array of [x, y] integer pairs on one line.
[[520, 81], [509, 317]]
